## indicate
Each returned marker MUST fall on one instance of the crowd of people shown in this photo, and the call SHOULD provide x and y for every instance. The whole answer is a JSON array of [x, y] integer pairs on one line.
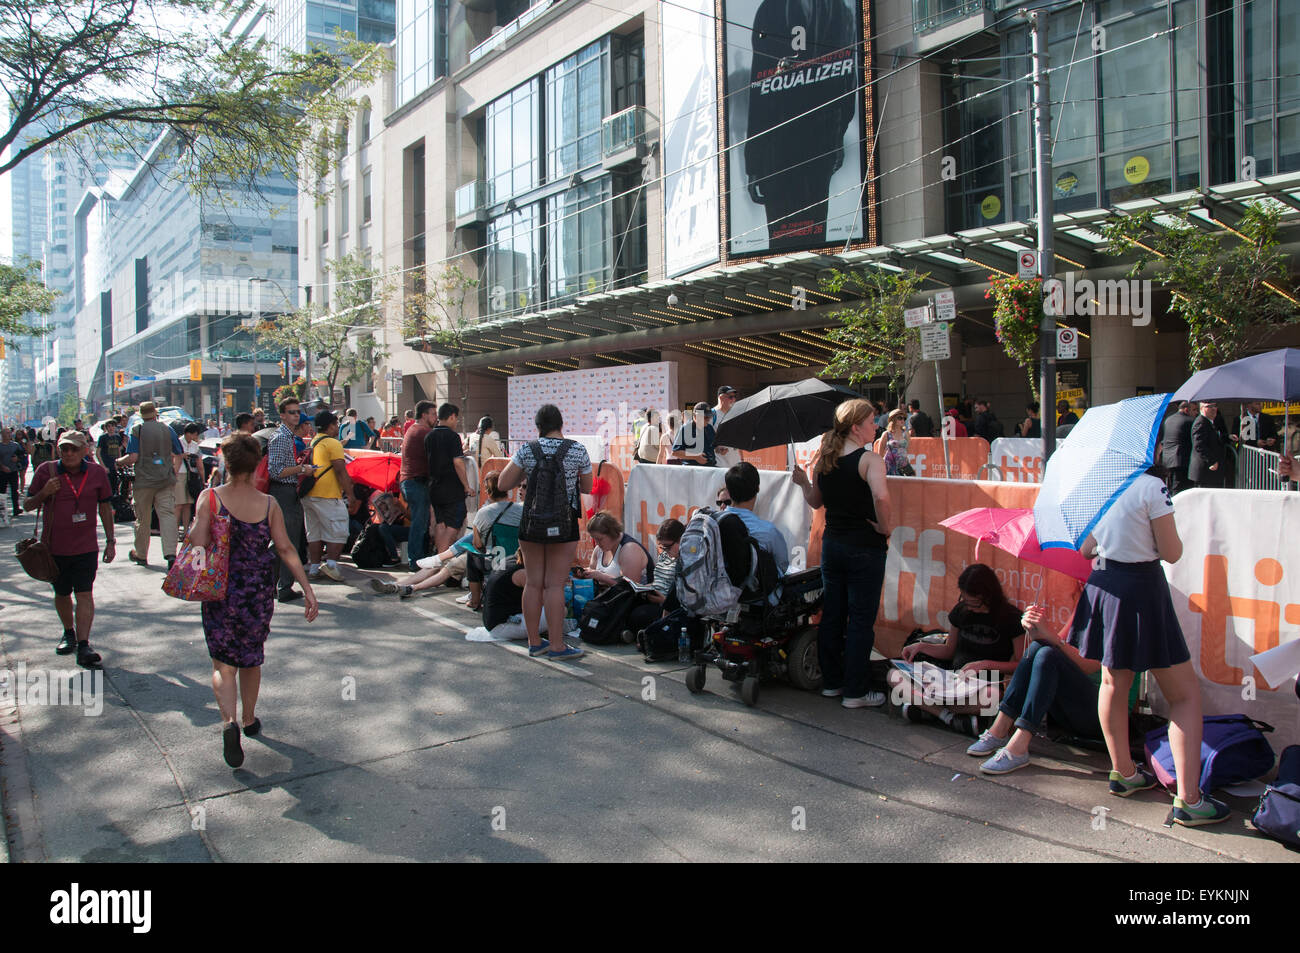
[[523, 557]]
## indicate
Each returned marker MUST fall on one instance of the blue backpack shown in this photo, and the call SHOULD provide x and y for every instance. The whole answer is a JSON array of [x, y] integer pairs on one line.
[[1279, 809], [1233, 750]]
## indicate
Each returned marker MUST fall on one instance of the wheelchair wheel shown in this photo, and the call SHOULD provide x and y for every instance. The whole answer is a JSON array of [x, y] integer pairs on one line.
[[749, 691], [695, 679], [804, 669]]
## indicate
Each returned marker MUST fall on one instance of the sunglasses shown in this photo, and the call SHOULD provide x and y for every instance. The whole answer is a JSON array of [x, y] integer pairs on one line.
[[724, 502]]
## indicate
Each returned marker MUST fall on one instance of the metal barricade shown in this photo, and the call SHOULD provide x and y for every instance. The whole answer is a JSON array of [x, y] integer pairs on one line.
[[390, 444], [1257, 470]]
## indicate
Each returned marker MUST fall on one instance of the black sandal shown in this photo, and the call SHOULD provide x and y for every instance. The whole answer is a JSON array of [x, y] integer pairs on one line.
[[252, 731], [234, 754]]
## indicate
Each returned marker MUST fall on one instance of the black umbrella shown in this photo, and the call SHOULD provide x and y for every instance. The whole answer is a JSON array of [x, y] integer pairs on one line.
[[782, 414]]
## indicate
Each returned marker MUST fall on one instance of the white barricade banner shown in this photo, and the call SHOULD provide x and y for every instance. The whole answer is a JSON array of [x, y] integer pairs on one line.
[[1019, 458], [1237, 592], [657, 493]]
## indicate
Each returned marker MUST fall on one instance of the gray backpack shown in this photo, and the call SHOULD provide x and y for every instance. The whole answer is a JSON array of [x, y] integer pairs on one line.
[[703, 587]]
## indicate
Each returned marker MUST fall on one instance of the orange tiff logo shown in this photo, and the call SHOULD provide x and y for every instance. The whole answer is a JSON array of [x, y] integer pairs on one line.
[[1216, 606]]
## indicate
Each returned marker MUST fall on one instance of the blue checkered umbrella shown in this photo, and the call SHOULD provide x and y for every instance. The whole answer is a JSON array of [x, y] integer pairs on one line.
[[1108, 449]]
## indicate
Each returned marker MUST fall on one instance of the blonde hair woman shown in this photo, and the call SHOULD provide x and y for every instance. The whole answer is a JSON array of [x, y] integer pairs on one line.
[[850, 483]]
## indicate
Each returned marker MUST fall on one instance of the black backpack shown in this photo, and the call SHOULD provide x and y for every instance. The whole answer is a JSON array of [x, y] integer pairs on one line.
[[369, 551], [995, 429], [605, 617], [548, 513], [658, 640]]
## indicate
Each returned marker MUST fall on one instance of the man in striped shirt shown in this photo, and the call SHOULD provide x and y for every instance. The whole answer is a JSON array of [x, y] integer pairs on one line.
[[283, 469]]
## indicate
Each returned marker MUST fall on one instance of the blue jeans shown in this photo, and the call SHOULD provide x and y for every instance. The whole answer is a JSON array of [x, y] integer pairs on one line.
[[392, 535], [1047, 682], [416, 494], [852, 577]]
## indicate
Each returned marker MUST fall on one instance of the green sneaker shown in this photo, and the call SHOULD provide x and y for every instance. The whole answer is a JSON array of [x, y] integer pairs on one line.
[[1121, 786], [1209, 811]]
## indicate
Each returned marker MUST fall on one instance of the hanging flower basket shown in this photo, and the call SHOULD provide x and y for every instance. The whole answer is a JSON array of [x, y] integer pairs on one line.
[[1018, 317], [290, 390]]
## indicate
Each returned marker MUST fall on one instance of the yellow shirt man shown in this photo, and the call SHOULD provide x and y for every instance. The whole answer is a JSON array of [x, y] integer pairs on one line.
[[325, 450]]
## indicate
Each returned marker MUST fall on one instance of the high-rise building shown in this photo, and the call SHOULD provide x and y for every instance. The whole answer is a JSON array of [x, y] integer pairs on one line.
[[302, 25]]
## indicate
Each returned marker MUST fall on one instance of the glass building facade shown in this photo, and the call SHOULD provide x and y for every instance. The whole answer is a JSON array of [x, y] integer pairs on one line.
[[560, 225], [1148, 98], [301, 25]]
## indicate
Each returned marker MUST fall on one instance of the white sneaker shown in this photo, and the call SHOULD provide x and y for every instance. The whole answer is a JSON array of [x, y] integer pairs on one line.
[[463, 599], [429, 562], [332, 570], [832, 692], [869, 700]]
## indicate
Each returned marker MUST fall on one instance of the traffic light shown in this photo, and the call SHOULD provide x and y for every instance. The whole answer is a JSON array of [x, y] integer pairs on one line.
[[119, 380], [2, 349], [196, 369]]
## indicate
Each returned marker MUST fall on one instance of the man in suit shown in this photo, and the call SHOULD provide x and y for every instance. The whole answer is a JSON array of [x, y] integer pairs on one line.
[[1254, 428], [1209, 465], [1176, 448]]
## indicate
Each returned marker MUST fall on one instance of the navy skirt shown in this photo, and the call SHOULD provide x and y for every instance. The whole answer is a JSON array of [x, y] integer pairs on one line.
[[1125, 619]]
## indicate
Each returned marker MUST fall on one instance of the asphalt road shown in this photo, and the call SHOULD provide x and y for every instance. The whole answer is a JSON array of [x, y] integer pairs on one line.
[[453, 750]]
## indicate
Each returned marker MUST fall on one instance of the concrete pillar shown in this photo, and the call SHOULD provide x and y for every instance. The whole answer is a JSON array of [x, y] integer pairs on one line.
[[692, 376], [1123, 357]]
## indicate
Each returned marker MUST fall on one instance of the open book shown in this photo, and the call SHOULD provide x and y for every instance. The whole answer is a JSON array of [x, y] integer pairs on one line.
[[638, 586]]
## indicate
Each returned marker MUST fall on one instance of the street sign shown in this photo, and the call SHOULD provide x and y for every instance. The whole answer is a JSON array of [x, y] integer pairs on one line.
[[935, 345], [1067, 343], [143, 380], [915, 317], [1027, 264], [945, 305]]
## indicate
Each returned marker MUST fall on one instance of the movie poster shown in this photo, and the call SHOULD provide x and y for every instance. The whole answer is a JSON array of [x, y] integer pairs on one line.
[[794, 124], [690, 109]]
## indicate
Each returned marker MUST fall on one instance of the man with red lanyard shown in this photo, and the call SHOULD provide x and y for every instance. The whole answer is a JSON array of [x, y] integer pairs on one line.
[[70, 490]]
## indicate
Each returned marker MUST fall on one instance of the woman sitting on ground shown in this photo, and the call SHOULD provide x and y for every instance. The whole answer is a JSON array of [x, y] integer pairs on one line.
[[985, 635], [668, 539], [616, 555], [496, 533], [1052, 680]]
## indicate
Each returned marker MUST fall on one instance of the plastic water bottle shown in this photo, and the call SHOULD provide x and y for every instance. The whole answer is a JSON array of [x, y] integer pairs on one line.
[[683, 646]]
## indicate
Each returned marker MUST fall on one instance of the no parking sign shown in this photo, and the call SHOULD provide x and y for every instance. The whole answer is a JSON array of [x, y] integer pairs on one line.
[[1067, 343]]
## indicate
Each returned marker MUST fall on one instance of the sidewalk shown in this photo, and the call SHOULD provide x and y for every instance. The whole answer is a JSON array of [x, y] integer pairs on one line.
[[389, 737]]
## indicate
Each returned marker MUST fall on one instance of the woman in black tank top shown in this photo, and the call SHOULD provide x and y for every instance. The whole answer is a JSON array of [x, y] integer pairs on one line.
[[851, 485]]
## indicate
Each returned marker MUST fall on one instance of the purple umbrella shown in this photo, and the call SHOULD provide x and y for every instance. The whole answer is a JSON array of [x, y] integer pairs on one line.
[[1274, 375]]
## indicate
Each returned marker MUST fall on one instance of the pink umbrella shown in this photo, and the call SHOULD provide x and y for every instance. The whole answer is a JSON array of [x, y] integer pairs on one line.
[[1012, 531]]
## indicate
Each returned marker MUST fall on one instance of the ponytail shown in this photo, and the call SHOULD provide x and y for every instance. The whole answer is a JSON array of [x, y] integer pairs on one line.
[[847, 416]]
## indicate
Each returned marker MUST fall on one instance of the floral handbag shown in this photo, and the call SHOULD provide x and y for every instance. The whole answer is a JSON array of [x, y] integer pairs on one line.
[[201, 574]]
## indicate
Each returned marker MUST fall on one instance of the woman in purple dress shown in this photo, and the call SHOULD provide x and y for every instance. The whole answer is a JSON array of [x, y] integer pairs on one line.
[[236, 627]]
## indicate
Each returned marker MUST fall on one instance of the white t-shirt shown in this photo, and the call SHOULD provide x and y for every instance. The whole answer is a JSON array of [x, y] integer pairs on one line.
[[731, 456], [1124, 533]]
